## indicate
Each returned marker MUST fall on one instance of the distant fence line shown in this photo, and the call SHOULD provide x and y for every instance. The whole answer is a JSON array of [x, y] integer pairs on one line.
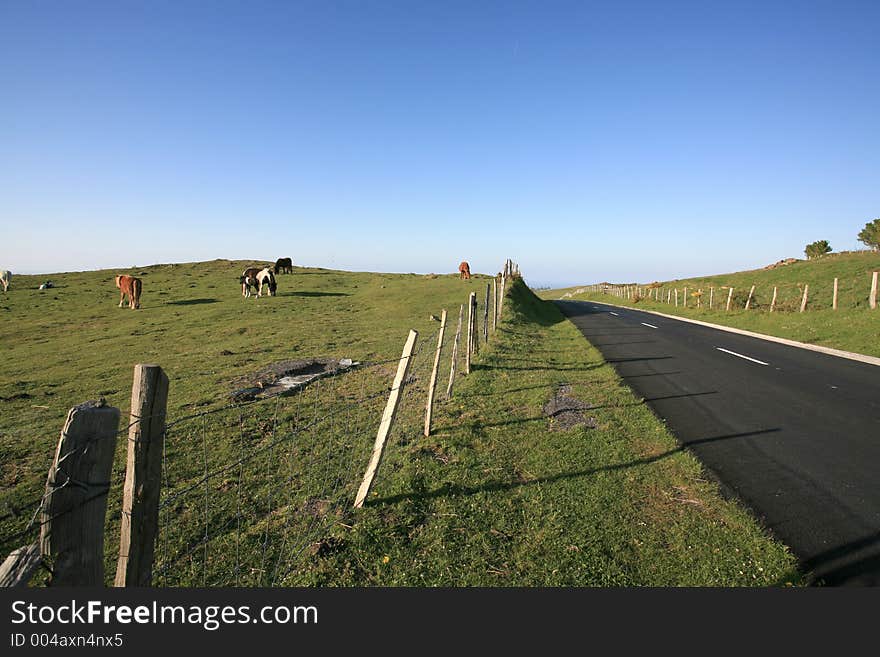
[[855, 292], [240, 495]]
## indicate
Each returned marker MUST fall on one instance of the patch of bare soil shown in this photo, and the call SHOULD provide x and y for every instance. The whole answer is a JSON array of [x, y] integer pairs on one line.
[[566, 412], [285, 376]]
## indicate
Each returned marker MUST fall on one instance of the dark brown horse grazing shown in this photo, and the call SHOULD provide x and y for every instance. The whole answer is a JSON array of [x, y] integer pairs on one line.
[[132, 287], [464, 270], [284, 266]]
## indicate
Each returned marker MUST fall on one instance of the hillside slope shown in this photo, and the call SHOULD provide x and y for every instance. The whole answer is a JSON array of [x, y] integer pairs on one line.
[[852, 327]]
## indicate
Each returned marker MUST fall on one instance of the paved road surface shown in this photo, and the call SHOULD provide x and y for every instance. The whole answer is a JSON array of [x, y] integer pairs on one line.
[[795, 434]]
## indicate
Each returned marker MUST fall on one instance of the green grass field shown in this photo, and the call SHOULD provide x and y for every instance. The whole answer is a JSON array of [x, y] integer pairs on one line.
[[496, 496], [853, 327]]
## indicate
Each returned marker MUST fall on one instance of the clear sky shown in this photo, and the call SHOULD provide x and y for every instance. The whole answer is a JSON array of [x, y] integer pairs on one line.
[[587, 140]]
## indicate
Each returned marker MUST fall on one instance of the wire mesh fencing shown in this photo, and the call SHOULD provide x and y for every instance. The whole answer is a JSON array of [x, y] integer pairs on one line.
[[251, 491]]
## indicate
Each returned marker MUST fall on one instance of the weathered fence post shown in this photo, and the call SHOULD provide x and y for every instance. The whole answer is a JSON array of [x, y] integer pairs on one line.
[[454, 353], [872, 300], [73, 515], [143, 477], [773, 302], [469, 345], [749, 300], [676, 297], [684, 299], [387, 419], [429, 406], [711, 296], [729, 299], [501, 295], [834, 296], [20, 566], [804, 300], [486, 317], [669, 296], [494, 302]]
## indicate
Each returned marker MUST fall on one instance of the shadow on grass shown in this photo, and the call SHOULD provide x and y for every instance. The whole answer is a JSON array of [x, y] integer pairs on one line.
[[191, 302], [538, 367], [314, 294], [452, 490]]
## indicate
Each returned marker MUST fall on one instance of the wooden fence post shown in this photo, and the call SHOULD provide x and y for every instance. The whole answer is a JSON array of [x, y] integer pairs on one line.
[[834, 296], [476, 322], [469, 345], [20, 566], [494, 302], [454, 353], [73, 515], [684, 299], [676, 297], [387, 419], [501, 295], [729, 299], [749, 300], [669, 296], [143, 477], [711, 296], [773, 302], [429, 406], [804, 300], [475, 329], [486, 317], [872, 300]]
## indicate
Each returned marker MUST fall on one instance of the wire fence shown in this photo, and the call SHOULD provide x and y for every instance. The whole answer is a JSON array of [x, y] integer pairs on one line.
[[853, 292], [251, 492]]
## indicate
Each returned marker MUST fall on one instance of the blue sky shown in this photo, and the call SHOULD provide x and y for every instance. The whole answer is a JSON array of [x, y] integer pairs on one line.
[[588, 141]]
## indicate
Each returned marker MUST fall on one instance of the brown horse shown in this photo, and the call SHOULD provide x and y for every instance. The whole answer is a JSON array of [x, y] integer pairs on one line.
[[464, 270], [284, 266], [132, 287]]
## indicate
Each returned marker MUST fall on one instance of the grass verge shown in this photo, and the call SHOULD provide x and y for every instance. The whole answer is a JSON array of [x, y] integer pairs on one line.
[[498, 497], [853, 327]]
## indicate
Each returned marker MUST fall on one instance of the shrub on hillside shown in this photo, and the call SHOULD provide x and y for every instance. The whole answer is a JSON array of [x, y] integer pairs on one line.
[[817, 249], [870, 235]]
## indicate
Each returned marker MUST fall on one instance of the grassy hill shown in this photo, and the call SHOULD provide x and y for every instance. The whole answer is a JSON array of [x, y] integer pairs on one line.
[[853, 327], [506, 491]]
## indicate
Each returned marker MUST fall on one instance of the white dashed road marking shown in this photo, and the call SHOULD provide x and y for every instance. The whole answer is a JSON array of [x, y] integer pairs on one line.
[[646, 324], [733, 353], [614, 313]]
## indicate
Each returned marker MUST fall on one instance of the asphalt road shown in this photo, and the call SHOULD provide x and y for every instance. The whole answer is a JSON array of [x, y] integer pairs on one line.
[[794, 434]]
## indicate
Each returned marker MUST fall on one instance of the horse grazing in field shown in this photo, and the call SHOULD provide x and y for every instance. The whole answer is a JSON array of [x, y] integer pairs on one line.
[[132, 287], [284, 266], [5, 277], [257, 278], [464, 270]]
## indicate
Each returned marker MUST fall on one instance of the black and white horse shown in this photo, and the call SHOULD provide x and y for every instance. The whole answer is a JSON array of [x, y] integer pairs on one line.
[[257, 278]]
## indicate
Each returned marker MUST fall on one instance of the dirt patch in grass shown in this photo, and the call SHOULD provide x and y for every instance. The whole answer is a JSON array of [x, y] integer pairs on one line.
[[566, 412], [284, 376]]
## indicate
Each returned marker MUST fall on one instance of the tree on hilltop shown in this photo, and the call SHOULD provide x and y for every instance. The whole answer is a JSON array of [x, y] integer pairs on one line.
[[870, 235], [817, 249]]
